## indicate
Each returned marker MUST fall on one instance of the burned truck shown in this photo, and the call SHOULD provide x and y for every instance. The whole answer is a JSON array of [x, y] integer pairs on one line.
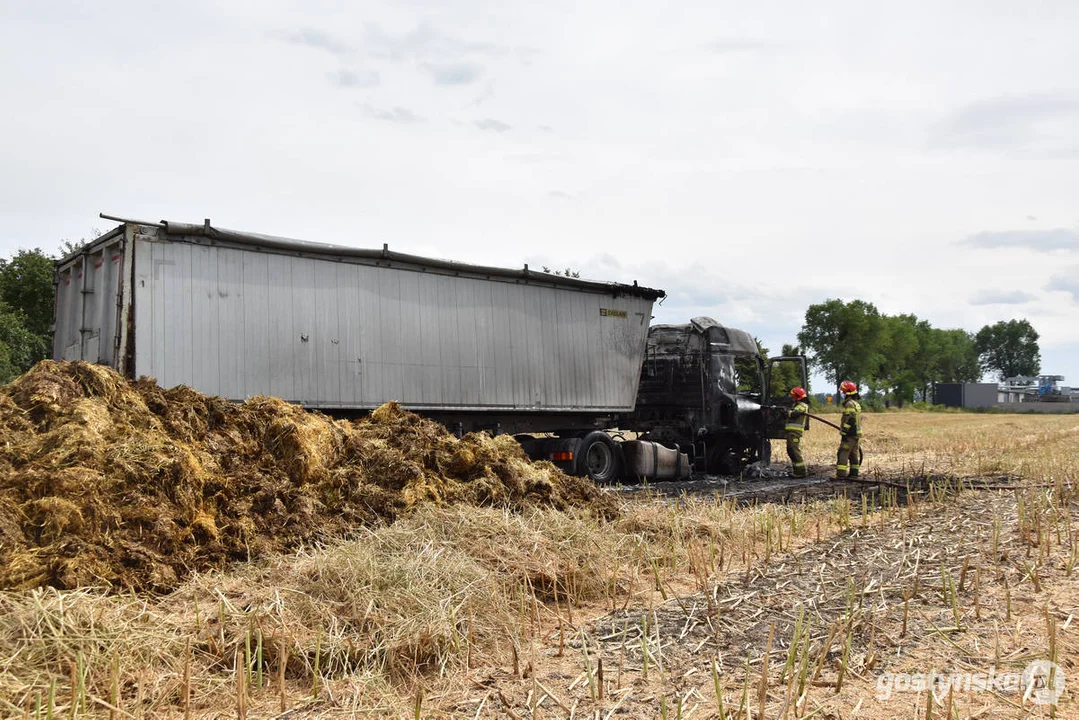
[[707, 388], [707, 401], [570, 367]]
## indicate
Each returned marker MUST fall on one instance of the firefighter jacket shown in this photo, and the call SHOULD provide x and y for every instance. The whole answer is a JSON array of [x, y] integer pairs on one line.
[[798, 418], [851, 424]]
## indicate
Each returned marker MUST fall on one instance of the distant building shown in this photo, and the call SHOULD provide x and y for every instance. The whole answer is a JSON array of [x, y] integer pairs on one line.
[[1010, 395], [965, 395], [1033, 388]]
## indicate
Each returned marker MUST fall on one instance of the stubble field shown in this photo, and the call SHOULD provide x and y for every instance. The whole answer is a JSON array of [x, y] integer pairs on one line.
[[963, 560]]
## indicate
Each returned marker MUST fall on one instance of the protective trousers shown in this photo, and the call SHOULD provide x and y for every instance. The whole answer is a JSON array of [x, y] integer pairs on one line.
[[794, 452], [847, 463]]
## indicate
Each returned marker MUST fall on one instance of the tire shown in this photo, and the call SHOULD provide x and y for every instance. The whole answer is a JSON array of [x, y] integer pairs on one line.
[[598, 458], [722, 460]]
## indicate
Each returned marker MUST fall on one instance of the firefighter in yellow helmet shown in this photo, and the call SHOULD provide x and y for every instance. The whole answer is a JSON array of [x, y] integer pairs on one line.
[[797, 423], [848, 459]]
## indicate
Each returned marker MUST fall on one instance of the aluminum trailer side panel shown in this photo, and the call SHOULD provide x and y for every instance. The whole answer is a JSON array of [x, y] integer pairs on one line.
[[87, 321], [349, 333]]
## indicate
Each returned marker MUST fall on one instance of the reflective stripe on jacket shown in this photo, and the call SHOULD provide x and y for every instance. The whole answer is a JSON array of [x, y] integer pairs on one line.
[[797, 420], [852, 418]]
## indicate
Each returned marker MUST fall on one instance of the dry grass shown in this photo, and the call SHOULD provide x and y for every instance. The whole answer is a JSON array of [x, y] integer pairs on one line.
[[108, 482], [482, 612], [913, 444], [408, 606]]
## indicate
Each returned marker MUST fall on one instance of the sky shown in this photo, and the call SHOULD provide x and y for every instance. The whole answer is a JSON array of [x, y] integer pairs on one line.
[[750, 159]]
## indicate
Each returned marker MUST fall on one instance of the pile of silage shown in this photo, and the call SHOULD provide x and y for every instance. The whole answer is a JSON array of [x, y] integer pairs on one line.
[[108, 482]]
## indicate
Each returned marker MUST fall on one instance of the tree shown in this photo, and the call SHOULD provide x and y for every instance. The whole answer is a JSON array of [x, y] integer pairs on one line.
[[19, 347], [783, 377], [957, 359], [747, 374], [843, 340], [899, 344], [26, 311], [68, 246], [924, 362], [1009, 348], [26, 287], [27, 297]]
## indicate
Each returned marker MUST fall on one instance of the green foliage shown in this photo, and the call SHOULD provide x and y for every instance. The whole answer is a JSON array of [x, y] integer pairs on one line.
[[8, 371], [747, 372], [873, 402], [784, 375], [956, 357], [19, 347], [916, 355], [896, 373], [897, 357], [26, 286], [843, 340], [1009, 348], [26, 311], [924, 406]]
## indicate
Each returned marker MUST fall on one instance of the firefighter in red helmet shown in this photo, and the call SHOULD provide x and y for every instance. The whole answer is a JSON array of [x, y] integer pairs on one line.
[[797, 423], [848, 459]]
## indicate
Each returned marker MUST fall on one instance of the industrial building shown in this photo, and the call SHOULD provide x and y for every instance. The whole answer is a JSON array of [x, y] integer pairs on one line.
[[965, 395], [1020, 393], [1034, 388]]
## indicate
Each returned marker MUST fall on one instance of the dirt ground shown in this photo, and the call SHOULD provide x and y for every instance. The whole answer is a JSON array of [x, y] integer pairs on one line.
[[946, 587], [947, 602], [873, 596], [941, 585]]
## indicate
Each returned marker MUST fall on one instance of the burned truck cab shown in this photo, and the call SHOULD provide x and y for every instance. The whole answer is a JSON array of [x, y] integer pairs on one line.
[[706, 390]]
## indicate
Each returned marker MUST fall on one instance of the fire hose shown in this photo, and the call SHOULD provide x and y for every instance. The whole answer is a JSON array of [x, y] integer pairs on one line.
[[897, 485], [829, 422], [826, 422]]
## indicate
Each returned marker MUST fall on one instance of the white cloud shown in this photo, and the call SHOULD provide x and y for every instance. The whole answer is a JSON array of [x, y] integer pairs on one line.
[[492, 124], [1044, 240], [454, 73], [316, 39], [347, 78], [1012, 121], [1067, 281], [1001, 297], [395, 114]]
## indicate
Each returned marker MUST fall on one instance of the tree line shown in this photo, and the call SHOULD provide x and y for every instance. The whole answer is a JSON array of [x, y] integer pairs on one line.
[[27, 296], [26, 311], [899, 357]]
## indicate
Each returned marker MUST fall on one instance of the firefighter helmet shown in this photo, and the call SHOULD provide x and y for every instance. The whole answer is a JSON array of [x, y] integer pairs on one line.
[[798, 393], [848, 387]]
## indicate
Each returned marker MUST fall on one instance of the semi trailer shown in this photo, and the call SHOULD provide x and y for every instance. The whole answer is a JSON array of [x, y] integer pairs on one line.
[[572, 368]]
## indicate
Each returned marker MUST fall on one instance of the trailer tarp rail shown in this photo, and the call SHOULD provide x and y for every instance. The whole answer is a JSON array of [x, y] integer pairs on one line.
[[207, 230]]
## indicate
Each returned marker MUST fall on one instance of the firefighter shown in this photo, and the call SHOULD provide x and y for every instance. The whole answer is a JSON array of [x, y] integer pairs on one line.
[[848, 460], [797, 423]]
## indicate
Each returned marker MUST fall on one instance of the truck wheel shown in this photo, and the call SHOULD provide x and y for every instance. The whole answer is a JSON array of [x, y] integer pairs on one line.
[[723, 460], [598, 458]]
